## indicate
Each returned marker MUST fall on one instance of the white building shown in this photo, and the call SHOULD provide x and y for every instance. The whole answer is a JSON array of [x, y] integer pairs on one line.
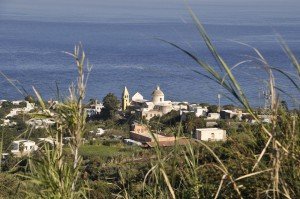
[[157, 107], [94, 109], [14, 112], [17, 111], [229, 114], [137, 97], [210, 134], [1, 101], [198, 110], [23, 147], [148, 109], [48, 140], [7, 122], [265, 118], [17, 102], [213, 116], [100, 131], [178, 106], [151, 113], [40, 123], [97, 107], [158, 96]]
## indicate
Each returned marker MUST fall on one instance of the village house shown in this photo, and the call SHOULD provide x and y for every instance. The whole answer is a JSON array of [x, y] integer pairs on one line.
[[17, 111], [213, 116], [100, 131], [40, 123], [210, 134], [1, 101], [17, 102], [229, 114], [263, 118], [23, 147], [198, 110], [179, 106], [141, 134], [48, 140], [7, 122], [94, 109]]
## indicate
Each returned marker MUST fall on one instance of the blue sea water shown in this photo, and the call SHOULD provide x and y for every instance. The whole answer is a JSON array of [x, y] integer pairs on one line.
[[121, 43]]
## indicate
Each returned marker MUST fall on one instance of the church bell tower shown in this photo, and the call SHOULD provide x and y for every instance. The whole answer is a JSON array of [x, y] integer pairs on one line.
[[125, 99]]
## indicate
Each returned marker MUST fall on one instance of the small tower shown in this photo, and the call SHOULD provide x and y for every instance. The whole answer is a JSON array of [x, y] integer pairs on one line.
[[125, 99]]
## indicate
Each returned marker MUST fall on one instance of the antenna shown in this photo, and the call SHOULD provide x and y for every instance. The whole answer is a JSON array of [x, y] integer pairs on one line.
[[267, 97]]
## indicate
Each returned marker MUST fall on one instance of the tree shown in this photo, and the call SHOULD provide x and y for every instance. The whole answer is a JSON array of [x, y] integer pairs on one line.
[[21, 125], [171, 118], [192, 122], [284, 105], [213, 109], [29, 99], [5, 108], [111, 105], [22, 104], [247, 117], [7, 105], [204, 104], [229, 107], [222, 124]]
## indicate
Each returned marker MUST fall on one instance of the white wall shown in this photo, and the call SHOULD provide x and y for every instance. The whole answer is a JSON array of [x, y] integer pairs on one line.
[[211, 134]]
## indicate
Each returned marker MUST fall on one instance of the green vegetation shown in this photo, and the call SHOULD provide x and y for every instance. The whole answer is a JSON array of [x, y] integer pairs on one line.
[[100, 151], [111, 105], [258, 160], [213, 109]]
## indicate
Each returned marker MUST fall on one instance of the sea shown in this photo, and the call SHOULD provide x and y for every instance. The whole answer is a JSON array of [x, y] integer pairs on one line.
[[123, 43]]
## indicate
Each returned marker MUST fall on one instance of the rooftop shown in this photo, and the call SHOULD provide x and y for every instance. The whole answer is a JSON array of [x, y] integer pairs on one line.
[[157, 92]]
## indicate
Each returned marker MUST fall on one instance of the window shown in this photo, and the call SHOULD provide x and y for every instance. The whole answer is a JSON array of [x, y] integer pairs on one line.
[[161, 99], [15, 146], [212, 136]]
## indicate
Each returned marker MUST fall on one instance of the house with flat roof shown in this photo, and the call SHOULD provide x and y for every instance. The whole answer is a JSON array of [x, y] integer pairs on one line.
[[210, 134], [23, 147]]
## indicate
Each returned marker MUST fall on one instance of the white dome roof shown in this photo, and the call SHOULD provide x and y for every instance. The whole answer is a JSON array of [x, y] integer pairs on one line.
[[157, 92], [137, 97]]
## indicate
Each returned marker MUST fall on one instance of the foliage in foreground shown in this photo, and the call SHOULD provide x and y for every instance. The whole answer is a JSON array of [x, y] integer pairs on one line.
[[277, 160], [257, 161]]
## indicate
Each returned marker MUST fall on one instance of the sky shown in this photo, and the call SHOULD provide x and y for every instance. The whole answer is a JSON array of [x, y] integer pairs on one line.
[[146, 10]]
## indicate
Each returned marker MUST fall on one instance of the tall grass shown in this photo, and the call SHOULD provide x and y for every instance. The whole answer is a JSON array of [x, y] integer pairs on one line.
[[265, 164], [53, 174], [277, 160]]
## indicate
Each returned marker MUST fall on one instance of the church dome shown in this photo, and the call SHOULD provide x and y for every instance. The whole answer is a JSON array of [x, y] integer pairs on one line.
[[157, 92], [158, 96]]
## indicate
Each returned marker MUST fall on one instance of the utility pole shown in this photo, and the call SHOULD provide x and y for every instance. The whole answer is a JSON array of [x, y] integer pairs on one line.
[[219, 104]]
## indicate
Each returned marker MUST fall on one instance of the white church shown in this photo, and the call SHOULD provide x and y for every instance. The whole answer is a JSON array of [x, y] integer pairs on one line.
[[145, 108]]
